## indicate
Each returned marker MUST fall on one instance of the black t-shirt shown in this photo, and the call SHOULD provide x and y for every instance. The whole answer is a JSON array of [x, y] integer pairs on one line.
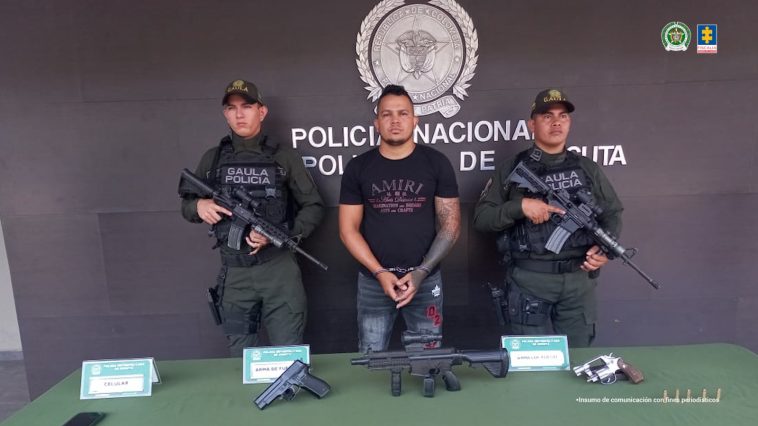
[[398, 201]]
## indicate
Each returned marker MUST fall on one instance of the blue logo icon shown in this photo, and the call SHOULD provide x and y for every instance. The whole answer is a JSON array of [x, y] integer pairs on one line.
[[707, 38]]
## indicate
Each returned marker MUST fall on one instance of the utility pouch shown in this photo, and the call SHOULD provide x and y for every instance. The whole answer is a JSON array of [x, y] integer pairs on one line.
[[214, 304]]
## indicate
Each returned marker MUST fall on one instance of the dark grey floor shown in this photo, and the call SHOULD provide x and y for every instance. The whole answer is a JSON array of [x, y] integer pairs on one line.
[[14, 392]]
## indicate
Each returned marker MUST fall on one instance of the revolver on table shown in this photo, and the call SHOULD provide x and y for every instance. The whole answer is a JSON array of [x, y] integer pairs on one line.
[[605, 368]]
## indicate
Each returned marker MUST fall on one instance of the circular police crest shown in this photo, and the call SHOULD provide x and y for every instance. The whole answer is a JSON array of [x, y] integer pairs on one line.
[[676, 36], [430, 49]]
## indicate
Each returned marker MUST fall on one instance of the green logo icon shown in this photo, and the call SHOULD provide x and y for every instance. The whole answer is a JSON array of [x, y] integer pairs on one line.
[[676, 36]]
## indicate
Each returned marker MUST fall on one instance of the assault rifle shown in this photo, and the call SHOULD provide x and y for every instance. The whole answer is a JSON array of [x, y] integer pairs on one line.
[[429, 363], [286, 386], [578, 216], [244, 216]]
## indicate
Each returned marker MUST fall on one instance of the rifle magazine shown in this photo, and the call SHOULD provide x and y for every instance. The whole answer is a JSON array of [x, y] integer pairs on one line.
[[557, 240]]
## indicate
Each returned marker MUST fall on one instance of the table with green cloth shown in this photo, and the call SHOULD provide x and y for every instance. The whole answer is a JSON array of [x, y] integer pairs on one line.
[[210, 392]]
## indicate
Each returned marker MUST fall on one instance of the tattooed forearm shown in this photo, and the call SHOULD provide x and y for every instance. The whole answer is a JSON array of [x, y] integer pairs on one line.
[[448, 212], [449, 223]]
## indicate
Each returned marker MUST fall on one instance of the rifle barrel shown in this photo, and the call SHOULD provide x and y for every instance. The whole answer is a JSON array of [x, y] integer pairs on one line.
[[197, 182], [321, 264], [642, 273]]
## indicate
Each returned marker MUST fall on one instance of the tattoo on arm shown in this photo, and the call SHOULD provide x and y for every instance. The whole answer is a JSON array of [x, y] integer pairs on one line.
[[449, 223], [448, 212]]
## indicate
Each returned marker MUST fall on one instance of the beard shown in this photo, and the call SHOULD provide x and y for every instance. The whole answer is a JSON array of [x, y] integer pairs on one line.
[[396, 140]]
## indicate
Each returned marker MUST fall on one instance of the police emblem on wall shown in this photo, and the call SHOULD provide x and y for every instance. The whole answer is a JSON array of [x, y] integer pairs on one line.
[[676, 36], [429, 48]]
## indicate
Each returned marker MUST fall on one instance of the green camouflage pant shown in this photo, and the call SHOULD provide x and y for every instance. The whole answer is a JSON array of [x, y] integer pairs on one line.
[[541, 303], [270, 294]]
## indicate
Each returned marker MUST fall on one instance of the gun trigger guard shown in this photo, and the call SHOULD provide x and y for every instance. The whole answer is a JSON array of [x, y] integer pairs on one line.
[[290, 392]]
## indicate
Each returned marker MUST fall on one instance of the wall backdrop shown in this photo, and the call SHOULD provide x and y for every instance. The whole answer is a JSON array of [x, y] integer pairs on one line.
[[103, 103]]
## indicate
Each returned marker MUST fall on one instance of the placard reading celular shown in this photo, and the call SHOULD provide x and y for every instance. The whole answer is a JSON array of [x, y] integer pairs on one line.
[[118, 378], [266, 363], [537, 353]]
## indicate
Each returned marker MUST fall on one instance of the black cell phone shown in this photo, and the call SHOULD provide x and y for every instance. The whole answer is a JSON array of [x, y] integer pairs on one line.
[[85, 419]]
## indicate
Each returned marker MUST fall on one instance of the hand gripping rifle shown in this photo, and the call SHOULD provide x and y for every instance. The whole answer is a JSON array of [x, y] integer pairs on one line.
[[578, 216], [286, 386], [244, 216], [429, 363]]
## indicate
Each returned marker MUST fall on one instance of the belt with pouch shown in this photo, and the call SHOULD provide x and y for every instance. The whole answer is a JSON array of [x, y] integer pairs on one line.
[[549, 266]]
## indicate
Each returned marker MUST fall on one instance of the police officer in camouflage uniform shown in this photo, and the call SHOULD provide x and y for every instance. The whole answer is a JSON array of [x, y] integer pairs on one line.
[[259, 284], [549, 293]]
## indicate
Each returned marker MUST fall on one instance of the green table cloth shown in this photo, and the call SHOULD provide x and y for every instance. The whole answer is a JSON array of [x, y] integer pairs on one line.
[[210, 392]]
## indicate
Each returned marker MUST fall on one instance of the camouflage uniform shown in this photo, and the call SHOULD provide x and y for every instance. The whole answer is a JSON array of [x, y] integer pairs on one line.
[[267, 287], [548, 293]]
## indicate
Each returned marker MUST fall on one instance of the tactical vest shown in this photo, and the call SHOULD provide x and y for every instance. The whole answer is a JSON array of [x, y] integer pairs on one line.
[[526, 236], [260, 176]]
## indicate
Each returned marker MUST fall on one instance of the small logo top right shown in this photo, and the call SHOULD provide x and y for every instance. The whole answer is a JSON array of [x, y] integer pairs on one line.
[[707, 38], [676, 37]]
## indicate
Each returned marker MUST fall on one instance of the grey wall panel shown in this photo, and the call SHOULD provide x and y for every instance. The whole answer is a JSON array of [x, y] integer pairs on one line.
[[56, 346], [150, 270], [707, 150], [40, 46], [667, 322], [103, 157], [590, 43], [57, 265], [543, 40], [697, 253], [174, 50]]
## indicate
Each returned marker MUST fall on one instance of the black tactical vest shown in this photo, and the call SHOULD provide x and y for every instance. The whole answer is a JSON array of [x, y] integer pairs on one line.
[[568, 175], [256, 173]]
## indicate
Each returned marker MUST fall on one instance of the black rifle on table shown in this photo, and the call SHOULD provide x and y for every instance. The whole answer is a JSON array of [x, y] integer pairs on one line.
[[286, 386], [429, 363], [578, 216], [245, 216]]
